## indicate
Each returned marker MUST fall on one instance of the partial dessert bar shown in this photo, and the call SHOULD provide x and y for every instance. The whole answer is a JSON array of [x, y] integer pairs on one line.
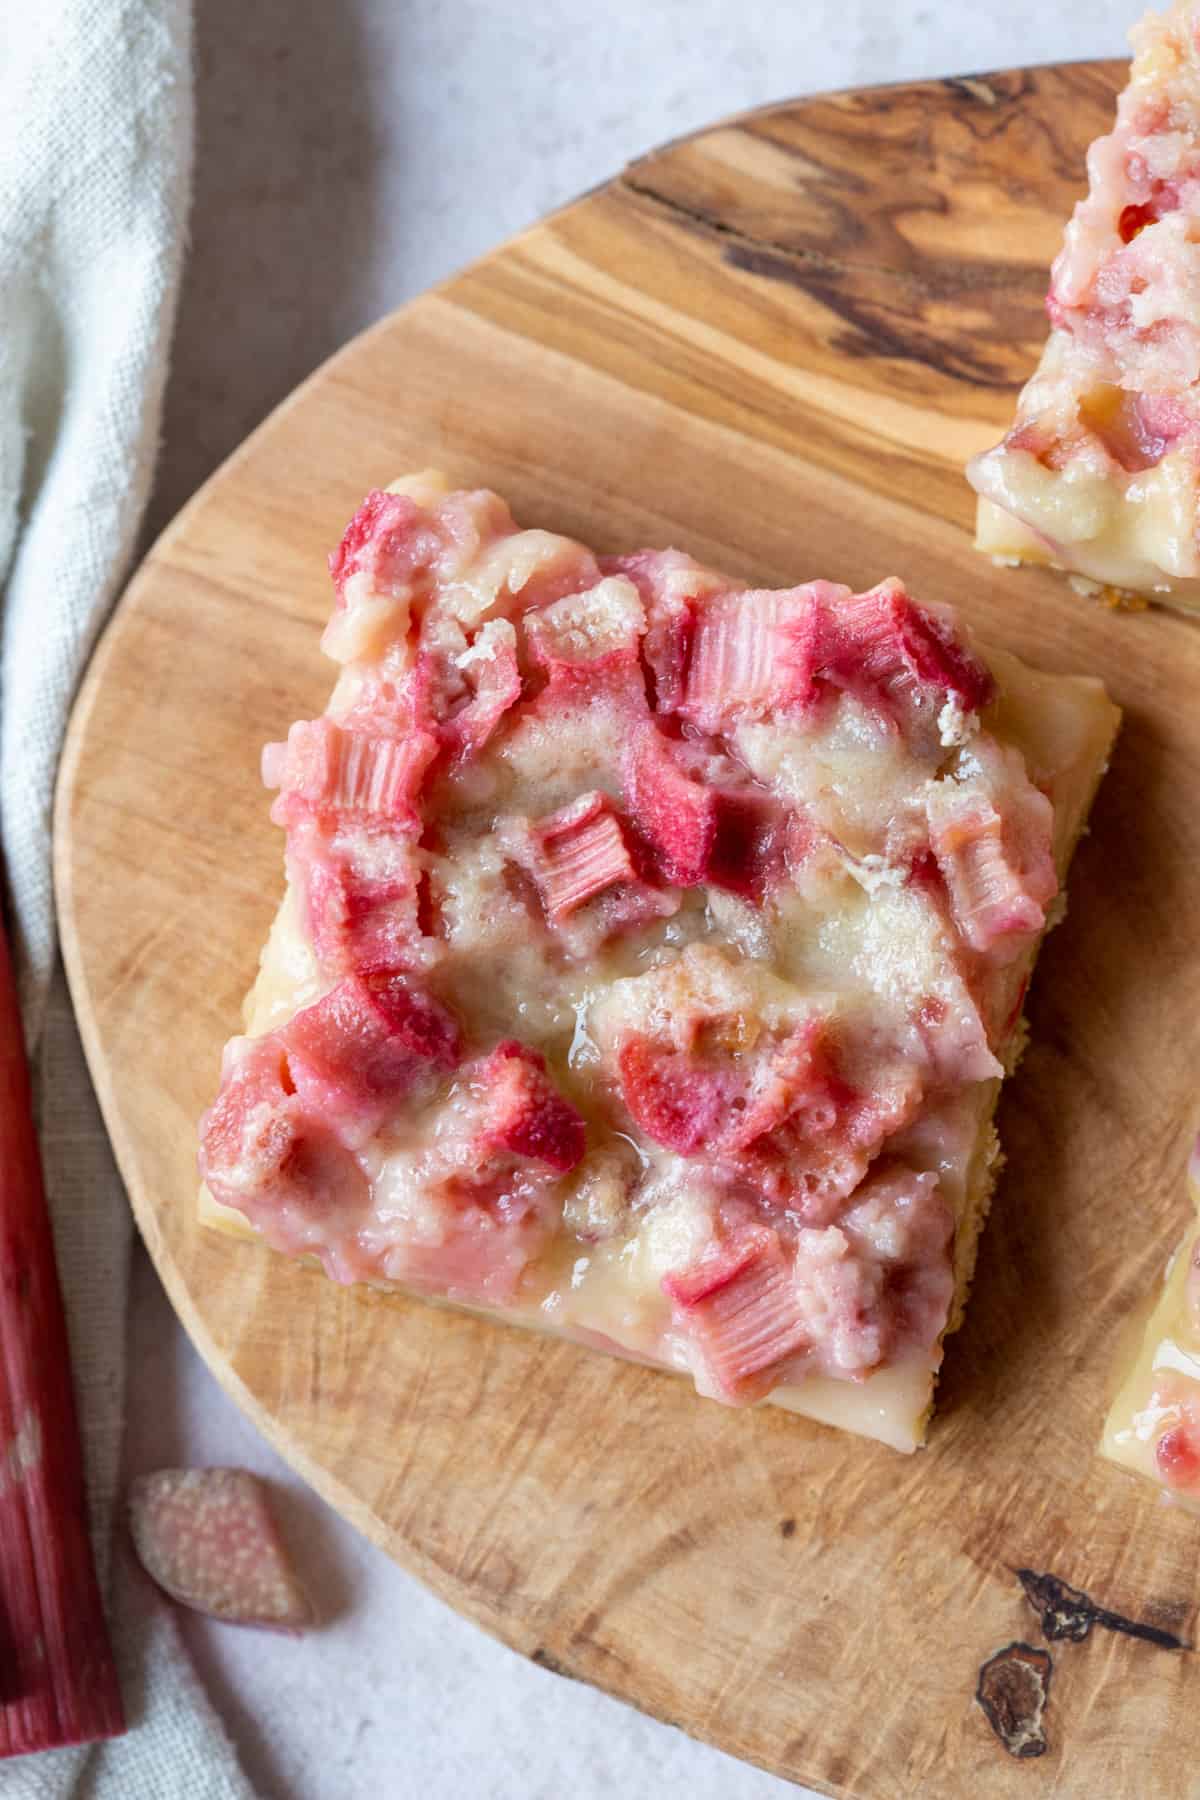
[[1153, 1427], [1099, 473], [651, 954]]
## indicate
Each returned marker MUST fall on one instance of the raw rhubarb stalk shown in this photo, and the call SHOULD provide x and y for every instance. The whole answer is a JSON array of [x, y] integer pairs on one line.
[[58, 1683], [207, 1537]]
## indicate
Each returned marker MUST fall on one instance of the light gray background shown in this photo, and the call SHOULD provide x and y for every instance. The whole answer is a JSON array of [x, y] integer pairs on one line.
[[351, 152]]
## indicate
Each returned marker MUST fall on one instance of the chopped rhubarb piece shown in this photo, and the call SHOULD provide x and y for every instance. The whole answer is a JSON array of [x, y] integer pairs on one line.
[[418, 701], [745, 1324], [581, 851], [997, 866], [807, 1135], [882, 644], [665, 579], [754, 839], [59, 1682], [390, 538], [751, 653], [326, 768], [731, 835], [398, 548], [207, 1537], [361, 893], [900, 1220], [674, 811], [667, 649], [986, 892], [670, 585], [722, 1261], [679, 1104], [776, 1108], [590, 642], [526, 1114], [953, 1036], [799, 1088], [695, 1099], [274, 1144], [485, 1239], [262, 1152], [494, 680], [361, 1047]]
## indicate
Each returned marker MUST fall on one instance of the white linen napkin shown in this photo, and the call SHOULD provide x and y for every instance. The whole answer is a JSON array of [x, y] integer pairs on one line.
[[95, 155]]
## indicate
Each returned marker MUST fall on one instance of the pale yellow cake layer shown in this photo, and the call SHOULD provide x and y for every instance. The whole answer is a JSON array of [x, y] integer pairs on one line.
[[1111, 561]]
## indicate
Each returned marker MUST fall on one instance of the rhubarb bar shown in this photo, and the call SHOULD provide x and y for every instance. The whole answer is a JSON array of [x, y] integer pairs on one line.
[[1098, 475], [651, 954], [1153, 1427]]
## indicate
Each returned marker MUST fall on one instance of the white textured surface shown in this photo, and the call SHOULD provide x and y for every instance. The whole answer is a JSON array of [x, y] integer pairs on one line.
[[343, 165]]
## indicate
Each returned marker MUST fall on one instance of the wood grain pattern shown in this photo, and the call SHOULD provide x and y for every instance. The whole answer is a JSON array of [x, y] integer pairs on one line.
[[774, 344]]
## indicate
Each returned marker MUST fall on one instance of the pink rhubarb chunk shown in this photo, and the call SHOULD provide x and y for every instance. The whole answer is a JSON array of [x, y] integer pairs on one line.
[[1175, 1406], [731, 835], [753, 841], [525, 1113], [485, 1240], [362, 895], [1177, 1458], [751, 653], [328, 769], [674, 811], [261, 1151], [494, 1200], [580, 851], [692, 1100], [670, 585], [360, 1048], [738, 1310], [881, 644], [390, 538], [998, 887], [206, 1536], [494, 680], [781, 1112], [677, 1102]]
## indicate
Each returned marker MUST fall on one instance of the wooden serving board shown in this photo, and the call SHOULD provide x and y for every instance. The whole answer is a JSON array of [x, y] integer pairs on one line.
[[774, 344]]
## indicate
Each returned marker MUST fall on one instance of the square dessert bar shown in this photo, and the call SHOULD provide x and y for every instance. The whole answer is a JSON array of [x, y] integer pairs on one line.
[[651, 954]]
